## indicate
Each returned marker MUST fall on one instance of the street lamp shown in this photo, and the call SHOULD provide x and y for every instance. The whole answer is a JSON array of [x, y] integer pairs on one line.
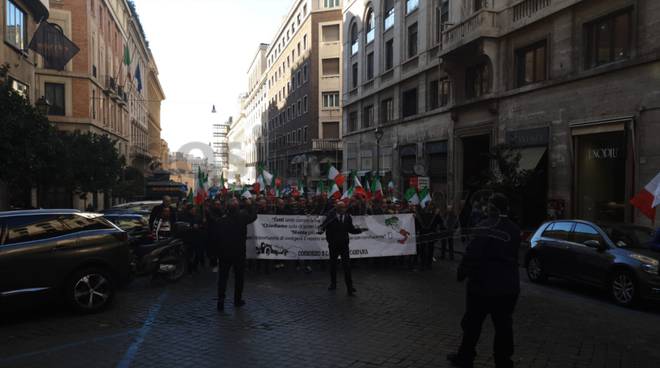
[[378, 132], [43, 105]]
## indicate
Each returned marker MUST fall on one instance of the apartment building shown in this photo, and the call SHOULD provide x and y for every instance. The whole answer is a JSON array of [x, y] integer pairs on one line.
[[303, 82], [571, 85], [19, 22]]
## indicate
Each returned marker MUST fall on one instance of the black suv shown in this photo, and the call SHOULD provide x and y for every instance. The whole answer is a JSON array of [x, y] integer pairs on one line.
[[79, 256], [615, 257]]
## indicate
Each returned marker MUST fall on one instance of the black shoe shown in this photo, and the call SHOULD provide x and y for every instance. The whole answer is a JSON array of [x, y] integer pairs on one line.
[[332, 287], [221, 306], [458, 361], [239, 303]]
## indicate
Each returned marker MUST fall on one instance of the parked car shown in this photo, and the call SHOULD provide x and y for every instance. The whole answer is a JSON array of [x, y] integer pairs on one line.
[[142, 208], [615, 257], [135, 225], [80, 257]]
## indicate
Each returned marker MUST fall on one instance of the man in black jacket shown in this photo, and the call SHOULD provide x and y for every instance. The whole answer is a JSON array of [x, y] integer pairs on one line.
[[337, 226], [490, 265], [233, 227], [157, 212]]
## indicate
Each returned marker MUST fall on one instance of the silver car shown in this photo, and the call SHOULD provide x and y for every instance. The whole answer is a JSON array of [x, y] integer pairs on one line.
[[616, 257]]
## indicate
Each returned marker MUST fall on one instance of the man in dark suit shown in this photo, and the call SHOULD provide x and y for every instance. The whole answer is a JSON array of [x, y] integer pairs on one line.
[[233, 227], [338, 224], [490, 265]]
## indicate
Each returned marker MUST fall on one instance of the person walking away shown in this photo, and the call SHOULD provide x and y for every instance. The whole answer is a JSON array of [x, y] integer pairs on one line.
[[157, 210], [451, 224], [490, 265], [214, 233], [337, 226], [428, 222], [233, 227]]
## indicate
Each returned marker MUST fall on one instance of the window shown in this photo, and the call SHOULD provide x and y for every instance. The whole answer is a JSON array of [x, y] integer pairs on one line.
[[55, 95], [478, 81], [411, 6], [434, 94], [389, 54], [371, 26], [368, 117], [354, 75], [299, 136], [558, 230], [370, 66], [305, 42], [352, 121], [409, 98], [387, 110], [305, 73], [331, 130], [330, 99], [16, 26], [21, 88], [531, 64], [388, 11], [330, 33], [445, 92], [330, 66], [305, 137], [355, 47], [305, 104], [583, 233], [300, 107], [412, 40], [298, 79], [330, 3], [608, 39], [478, 5]]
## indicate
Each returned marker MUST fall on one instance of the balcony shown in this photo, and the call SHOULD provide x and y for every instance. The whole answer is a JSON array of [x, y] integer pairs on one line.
[[326, 145], [529, 11], [482, 24]]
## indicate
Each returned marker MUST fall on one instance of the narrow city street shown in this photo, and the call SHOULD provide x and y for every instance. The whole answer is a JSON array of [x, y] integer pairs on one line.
[[399, 318]]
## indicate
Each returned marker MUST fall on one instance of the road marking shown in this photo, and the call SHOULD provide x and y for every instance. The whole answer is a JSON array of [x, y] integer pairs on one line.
[[126, 361], [63, 347]]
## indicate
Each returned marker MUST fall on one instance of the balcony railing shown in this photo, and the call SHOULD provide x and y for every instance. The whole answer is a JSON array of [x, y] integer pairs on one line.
[[529, 8], [482, 24], [326, 145]]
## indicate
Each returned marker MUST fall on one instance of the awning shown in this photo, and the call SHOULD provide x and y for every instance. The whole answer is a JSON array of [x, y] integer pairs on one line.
[[530, 157]]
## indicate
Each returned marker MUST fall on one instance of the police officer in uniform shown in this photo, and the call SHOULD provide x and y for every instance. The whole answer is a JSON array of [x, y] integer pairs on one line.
[[490, 265]]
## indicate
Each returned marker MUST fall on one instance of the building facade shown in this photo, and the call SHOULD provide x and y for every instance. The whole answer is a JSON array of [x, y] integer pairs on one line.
[[302, 133], [20, 19], [567, 84], [220, 147]]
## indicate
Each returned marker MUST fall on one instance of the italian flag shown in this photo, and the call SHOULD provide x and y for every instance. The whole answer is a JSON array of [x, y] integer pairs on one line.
[[320, 188], [334, 192], [377, 189], [425, 196], [411, 196], [347, 194], [246, 193], [648, 198], [357, 189], [336, 176], [201, 193]]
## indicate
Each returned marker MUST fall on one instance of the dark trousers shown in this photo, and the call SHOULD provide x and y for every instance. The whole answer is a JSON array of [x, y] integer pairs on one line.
[[335, 252], [427, 254], [500, 308], [238, 264], [447, 246]]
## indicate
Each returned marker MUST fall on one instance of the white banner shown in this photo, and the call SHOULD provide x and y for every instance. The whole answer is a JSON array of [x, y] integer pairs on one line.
[[296, 237]]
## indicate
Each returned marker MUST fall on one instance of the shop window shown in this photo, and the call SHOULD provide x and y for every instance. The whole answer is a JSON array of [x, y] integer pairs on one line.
[[531, 64], [608, 39]]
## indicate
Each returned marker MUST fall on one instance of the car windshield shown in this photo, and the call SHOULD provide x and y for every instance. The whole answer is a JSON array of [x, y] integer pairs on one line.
[[633, 237]]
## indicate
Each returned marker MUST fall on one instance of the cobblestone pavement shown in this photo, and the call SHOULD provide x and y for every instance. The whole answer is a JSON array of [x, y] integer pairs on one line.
[[399, 319]]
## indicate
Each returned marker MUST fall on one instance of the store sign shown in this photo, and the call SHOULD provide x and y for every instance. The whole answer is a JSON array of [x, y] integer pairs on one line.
[[528, 137], [605, 153]]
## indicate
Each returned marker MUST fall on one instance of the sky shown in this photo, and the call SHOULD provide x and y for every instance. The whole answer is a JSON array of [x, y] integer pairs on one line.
[[203, 49]]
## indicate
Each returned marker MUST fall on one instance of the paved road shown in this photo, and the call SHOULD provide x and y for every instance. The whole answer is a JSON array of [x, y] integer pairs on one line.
[[399, 319]]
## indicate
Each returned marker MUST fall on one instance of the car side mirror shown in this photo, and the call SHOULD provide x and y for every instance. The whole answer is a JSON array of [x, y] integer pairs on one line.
[[596, 245]]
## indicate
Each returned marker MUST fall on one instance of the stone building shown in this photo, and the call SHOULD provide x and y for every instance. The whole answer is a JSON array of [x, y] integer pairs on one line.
[[569, 84], [303, 81]]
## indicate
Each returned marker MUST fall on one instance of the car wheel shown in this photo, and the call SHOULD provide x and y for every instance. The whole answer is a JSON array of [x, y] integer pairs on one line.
[[624, 288], [535, 271], [90, 290]]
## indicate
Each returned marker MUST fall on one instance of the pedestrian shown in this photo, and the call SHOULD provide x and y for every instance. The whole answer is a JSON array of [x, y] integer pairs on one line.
[[214, 233], [451, 224], [428, 223], [233, 227], [163, 225], [490, 265], [157, 210], [337, 225]]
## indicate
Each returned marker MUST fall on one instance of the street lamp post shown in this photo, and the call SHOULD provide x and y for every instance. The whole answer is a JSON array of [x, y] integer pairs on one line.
[[378, 132]]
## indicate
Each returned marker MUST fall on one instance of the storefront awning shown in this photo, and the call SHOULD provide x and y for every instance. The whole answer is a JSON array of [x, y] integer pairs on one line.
[[530, 157]]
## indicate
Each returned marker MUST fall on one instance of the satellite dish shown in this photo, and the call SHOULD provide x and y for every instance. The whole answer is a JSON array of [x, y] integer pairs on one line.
[[419, 170]]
